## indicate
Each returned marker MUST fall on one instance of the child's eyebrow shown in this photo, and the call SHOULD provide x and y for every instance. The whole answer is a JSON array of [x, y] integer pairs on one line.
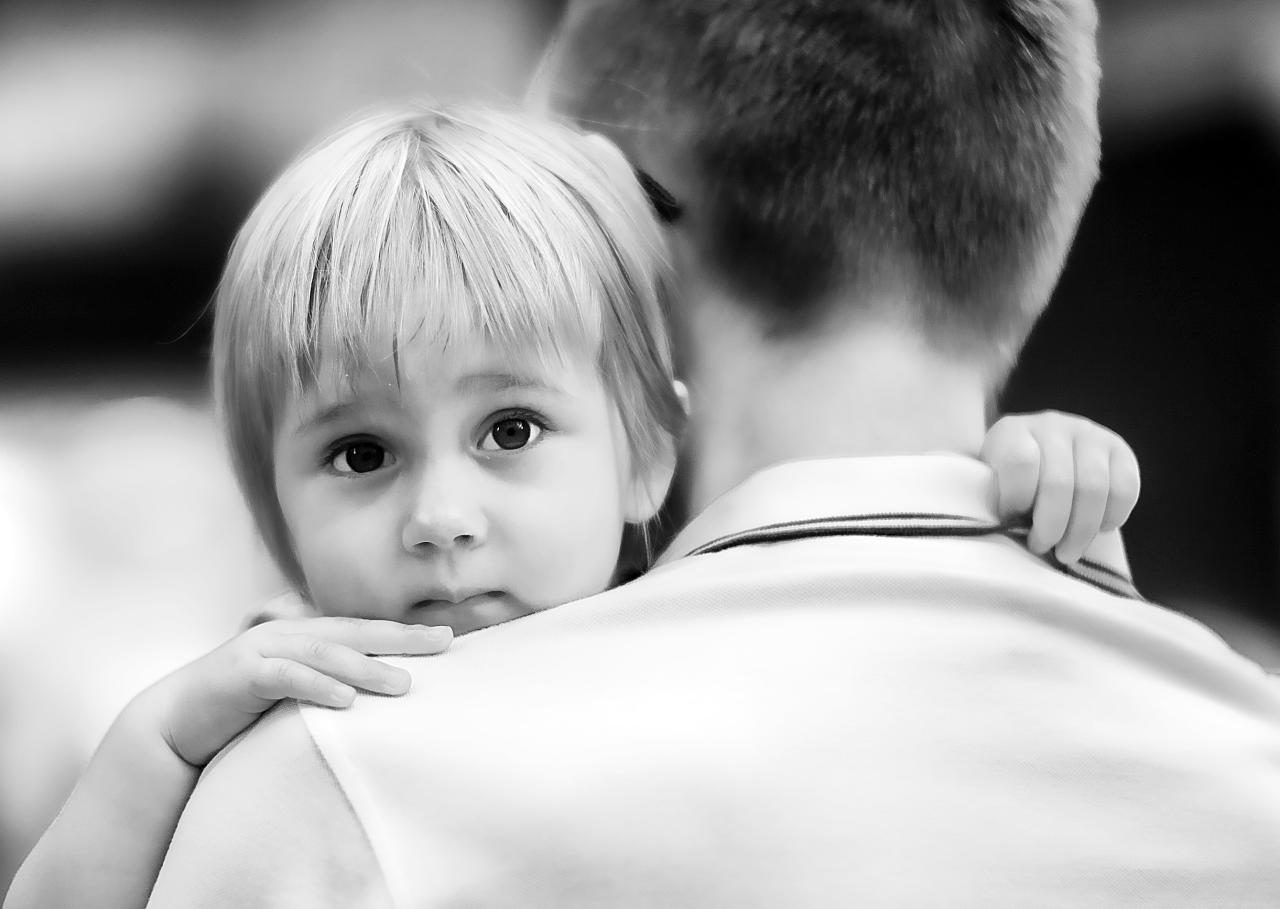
[[331, 413], [505, 381], [482, 381]]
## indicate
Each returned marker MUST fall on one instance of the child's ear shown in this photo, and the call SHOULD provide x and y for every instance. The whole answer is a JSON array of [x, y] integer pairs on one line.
[[682, 393], [650, 484]]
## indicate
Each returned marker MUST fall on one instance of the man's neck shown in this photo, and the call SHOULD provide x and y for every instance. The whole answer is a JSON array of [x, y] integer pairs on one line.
[[854, 389]]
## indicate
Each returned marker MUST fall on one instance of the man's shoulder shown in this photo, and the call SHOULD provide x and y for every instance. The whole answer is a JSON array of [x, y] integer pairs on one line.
[[271, 765], [279, 731], [269, 826]]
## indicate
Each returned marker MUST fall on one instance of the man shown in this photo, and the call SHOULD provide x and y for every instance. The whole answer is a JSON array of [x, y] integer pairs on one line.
[[842, 684]]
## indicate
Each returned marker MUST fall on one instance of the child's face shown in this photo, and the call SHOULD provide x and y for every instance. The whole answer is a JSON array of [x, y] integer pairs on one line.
[[477, 488]]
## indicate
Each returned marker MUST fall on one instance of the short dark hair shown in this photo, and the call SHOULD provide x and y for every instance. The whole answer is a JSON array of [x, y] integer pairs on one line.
[[950, 144]]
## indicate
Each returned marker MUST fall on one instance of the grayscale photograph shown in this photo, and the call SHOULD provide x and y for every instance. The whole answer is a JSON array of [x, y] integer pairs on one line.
[[640, 453]]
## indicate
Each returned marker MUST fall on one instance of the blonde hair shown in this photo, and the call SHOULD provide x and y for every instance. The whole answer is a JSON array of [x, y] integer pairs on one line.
[[458, 222]]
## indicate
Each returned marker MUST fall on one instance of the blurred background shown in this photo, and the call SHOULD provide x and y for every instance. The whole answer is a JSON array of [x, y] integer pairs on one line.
[[135, 135]]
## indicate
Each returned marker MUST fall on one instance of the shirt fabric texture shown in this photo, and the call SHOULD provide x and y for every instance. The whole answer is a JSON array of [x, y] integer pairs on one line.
[[844, 684]]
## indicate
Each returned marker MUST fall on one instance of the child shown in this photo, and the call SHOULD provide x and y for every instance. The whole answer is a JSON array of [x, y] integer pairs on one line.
[[446, 379]]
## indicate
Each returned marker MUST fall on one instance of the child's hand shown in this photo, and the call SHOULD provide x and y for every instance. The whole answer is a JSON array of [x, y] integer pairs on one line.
[[1076, 478], [206, 704]]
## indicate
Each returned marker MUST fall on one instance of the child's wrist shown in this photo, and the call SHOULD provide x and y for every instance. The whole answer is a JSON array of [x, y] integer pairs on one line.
[[146, 724]]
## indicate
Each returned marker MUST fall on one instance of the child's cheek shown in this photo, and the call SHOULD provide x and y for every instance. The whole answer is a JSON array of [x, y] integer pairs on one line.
[[586, 556], [339, 564], [338, 593]]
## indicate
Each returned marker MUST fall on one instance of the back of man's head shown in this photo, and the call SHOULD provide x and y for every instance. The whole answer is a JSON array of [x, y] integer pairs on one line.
[[929, 157]]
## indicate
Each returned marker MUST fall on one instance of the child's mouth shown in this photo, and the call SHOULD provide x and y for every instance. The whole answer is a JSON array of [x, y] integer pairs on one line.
[[468, 613]]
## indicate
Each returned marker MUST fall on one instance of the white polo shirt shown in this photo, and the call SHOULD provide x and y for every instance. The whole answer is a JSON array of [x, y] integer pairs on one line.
[[844, 684]]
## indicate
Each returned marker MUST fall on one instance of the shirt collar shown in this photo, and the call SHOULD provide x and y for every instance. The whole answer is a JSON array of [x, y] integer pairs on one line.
[[906, 495]]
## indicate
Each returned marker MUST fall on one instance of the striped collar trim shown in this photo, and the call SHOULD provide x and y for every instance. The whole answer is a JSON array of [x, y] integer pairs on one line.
[[910, 496]]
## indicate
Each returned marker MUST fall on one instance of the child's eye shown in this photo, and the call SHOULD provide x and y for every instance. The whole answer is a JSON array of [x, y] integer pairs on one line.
[[359, 457], [511, 433]]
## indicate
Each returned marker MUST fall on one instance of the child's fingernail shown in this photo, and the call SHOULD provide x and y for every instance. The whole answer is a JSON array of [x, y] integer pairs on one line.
[[1067, 559], [438, 634], [340, 695]]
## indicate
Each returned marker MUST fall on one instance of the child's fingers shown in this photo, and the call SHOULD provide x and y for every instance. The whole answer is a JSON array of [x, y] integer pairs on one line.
[[276, 679], [1126, 485], [1014, 455], [372, 636], [341, 663], [1054, 492], [1088, 504]]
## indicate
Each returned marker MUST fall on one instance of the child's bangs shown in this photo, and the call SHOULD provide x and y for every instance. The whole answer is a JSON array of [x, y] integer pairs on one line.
[[452, 244], [442, 227]]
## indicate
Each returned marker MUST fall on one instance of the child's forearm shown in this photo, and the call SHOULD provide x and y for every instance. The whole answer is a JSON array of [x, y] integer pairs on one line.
[[106, 846]]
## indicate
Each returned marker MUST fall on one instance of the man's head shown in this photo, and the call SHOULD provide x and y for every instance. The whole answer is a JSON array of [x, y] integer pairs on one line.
[[927, 158]]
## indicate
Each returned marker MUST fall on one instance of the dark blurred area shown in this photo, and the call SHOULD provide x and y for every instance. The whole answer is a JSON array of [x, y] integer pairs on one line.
[[1164, 326], [138, 134], [141, 133]]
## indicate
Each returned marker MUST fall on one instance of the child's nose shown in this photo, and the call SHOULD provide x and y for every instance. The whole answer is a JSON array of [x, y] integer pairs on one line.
[[444, 516], [444, 526]]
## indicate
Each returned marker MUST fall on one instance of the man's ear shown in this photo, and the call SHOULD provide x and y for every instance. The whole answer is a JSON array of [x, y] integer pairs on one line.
[[650, 485], [551, 74]]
